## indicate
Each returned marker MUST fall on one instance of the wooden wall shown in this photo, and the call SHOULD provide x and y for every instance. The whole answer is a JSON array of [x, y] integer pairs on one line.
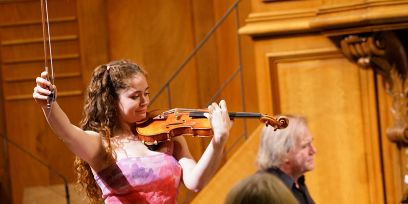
[[301, 70], [21, 62], [340, 112]]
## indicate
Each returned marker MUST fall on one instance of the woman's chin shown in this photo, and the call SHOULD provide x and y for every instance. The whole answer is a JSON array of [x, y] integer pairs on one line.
[[141, 117]]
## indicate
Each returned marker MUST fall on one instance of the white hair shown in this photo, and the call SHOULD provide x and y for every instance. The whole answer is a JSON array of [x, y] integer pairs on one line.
[[275, 144]]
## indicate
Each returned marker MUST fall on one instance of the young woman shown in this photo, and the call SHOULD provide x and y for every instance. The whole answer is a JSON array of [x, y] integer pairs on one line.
[[112, 164]]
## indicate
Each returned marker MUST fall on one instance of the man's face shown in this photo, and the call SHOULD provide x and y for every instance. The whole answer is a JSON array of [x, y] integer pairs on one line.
[[300, 157]]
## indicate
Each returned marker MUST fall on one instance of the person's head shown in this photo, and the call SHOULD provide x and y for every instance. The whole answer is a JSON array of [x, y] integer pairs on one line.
[[118, 94], [289, 149], [261, 188]]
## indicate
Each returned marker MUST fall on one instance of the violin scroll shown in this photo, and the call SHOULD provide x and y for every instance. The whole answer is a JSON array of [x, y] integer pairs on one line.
[[280, 123]]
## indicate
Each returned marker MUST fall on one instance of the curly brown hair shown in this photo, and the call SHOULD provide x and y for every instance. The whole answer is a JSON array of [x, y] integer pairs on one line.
[[100, 115]]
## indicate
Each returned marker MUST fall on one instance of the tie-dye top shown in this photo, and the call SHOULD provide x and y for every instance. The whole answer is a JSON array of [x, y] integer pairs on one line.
[[151, 179]]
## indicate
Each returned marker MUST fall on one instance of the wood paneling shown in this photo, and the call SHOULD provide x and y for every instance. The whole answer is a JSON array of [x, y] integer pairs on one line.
[[93, 32], [53, 194], [392, 155], [238, 166], [316, 81], [336, 110], [360, 13], [307, 75], [32, 144], [294, 17]]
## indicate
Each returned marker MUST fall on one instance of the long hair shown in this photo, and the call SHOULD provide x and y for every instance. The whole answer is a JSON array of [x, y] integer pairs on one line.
[[275, 144], [260, 188], [101, 114]]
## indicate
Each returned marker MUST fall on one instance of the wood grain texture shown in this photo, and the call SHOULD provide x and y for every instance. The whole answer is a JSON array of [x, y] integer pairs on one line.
[[32, 142], [239, 166], [392, 155], [293, 17], [333, 94], [336, 112], [307, 75]]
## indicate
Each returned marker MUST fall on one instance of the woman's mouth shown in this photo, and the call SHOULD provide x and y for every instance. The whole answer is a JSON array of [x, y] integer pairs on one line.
[[141, 111]]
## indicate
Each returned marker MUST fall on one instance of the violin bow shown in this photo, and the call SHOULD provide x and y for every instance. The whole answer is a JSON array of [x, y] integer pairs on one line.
[[47, 49]]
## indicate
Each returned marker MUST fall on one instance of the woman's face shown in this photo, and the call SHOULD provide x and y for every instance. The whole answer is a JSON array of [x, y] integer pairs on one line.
[[133, 101]]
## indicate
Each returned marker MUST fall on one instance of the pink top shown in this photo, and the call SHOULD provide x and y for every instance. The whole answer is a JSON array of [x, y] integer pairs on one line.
[[151, 179]]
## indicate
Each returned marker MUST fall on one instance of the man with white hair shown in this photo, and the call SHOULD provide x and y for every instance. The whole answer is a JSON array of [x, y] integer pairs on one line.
[[288, 154]]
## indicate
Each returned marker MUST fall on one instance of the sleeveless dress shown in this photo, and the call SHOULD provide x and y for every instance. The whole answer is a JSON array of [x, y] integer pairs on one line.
[[151, 179]]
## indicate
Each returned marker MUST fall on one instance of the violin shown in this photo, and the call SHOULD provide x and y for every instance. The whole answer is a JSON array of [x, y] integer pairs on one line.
[[179, 121]]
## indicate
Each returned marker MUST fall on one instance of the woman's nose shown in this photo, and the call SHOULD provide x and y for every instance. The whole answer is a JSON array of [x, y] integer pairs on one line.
[[145, 100]]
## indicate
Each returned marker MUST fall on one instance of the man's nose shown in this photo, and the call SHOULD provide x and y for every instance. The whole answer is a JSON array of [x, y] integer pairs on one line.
[[313, 149]]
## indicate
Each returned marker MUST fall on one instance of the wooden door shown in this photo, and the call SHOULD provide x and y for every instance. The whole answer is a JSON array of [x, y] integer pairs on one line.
[[338, 99]]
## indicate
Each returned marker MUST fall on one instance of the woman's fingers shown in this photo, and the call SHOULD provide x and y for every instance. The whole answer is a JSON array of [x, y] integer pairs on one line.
[[42, 91], [44, 74], [42, 81], [223, 105], [219, 120], [43, 88]]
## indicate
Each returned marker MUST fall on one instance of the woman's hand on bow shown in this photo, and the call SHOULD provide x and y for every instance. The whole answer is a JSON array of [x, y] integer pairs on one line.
[[43, 89]]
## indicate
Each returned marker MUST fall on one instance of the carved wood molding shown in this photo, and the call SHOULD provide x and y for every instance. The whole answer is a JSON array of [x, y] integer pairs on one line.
[[361, 14], [386, 54], [273, 23], [368, 13]]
